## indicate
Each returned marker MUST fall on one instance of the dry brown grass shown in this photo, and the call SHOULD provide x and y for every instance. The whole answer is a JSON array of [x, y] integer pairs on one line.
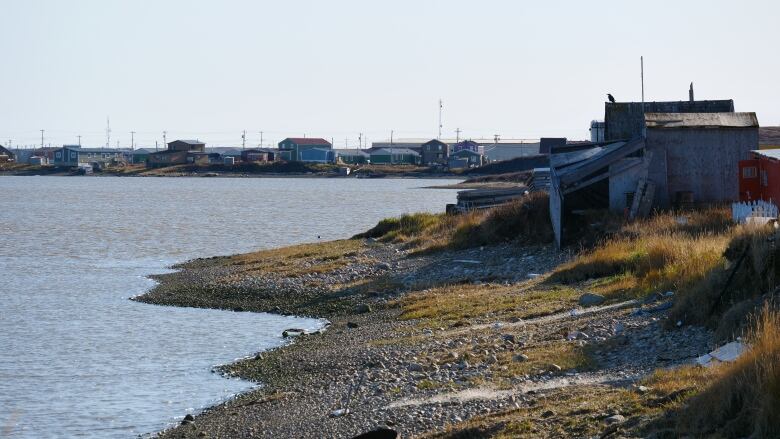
[[526, 220], [299, 259], [457, 305], [665, 252], [744, 400]]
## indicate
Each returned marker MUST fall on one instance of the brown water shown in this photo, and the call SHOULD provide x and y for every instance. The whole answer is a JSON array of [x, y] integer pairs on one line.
[[78, 359]]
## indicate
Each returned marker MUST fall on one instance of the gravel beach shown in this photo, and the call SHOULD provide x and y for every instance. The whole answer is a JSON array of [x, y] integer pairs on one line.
[[378, 366]]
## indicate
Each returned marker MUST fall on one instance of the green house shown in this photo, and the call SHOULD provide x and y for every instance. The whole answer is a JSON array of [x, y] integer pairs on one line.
[[352, 156], [392, 156]]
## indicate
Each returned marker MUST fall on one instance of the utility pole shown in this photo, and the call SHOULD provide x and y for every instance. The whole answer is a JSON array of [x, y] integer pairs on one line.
[[261, 139], [132, 139], [79, 136], [165, 140], [360, 140], [108, 132], [495, 139], [391, 137], [243, 140], [440, 125], [642, 76], [457, 135], [42, 138]]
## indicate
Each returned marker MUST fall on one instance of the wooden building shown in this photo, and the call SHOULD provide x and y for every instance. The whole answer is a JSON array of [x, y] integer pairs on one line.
[[435, 152]]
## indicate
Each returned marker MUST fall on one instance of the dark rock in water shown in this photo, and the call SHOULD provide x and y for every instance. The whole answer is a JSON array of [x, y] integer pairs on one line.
[[352, 325], [363, 308], [379, 433], [238, 309], [293, 332], [189, 417]]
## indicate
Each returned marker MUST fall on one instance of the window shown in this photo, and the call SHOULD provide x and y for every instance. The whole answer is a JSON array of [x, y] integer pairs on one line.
[[749, 172], [764, 180]]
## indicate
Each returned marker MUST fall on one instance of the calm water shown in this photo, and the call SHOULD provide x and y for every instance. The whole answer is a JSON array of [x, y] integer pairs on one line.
[[78, 359]]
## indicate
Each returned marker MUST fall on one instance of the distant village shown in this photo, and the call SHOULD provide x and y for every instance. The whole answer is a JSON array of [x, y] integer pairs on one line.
[[643, 155], [440, 153]]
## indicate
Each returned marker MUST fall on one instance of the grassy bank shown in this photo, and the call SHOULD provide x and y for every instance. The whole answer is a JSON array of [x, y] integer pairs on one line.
[[525, 221]]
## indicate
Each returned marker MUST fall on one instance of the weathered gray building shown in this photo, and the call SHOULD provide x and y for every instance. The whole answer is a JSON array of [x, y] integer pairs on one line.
[[696, 155], [625, 120]]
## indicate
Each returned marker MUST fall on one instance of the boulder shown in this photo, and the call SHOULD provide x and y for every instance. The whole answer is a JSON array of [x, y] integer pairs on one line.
[[591, 299], [363, 308], [614, 419], [352, 325], [520, 358]]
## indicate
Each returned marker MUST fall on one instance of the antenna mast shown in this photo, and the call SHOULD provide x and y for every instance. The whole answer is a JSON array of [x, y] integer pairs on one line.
[[440, 125], [108, 132]]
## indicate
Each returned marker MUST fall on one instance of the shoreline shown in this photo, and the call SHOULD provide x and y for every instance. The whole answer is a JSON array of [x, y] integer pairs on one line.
[[376, 366]]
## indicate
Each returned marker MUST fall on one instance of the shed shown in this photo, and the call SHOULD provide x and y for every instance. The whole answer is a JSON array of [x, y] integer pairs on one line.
[[696, 155], [600, 177], [625, 120]]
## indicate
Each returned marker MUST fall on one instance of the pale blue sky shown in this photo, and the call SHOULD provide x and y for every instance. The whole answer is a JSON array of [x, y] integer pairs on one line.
[[209, 69]]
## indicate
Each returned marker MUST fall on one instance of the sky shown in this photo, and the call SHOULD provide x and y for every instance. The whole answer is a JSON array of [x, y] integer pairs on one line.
[[335, 69]]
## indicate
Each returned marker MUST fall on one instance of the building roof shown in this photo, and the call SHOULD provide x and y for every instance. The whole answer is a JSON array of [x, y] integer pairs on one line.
[[95, 150], [701, 120], [769, 153], [143, 151], [189, 142], [387, 151], [434, 141], [466, 151], [308, 140], [769, 135], [348, 151]]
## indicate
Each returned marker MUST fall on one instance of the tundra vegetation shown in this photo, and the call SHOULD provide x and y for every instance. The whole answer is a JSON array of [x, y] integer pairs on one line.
[[721, 275]]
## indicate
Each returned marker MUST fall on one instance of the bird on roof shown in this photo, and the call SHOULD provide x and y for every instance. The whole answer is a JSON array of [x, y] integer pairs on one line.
[[611, 98]]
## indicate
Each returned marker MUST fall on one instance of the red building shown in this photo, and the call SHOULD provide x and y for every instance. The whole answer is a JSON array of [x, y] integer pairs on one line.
[[759, 177]]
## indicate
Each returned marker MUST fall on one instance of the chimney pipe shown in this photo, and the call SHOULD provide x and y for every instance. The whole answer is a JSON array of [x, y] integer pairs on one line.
[[690, 93]]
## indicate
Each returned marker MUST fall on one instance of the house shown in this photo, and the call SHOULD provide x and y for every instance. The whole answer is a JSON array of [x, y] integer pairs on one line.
[[696, 155], [259, 155], [466, 158], [759, 176], [140, 155], [768, 137], [683, 158], [73, 155], [6, 155], [508, 149], [625, 120], [352, 156], [469, 145], [316, 155], [393, 156], [179, 152], [435, 152], [293, 148]]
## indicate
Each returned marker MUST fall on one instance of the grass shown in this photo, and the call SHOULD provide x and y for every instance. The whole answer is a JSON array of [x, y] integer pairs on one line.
[[667, 252], [525, 220], [299, 259], [744, 400], [467, 304]]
